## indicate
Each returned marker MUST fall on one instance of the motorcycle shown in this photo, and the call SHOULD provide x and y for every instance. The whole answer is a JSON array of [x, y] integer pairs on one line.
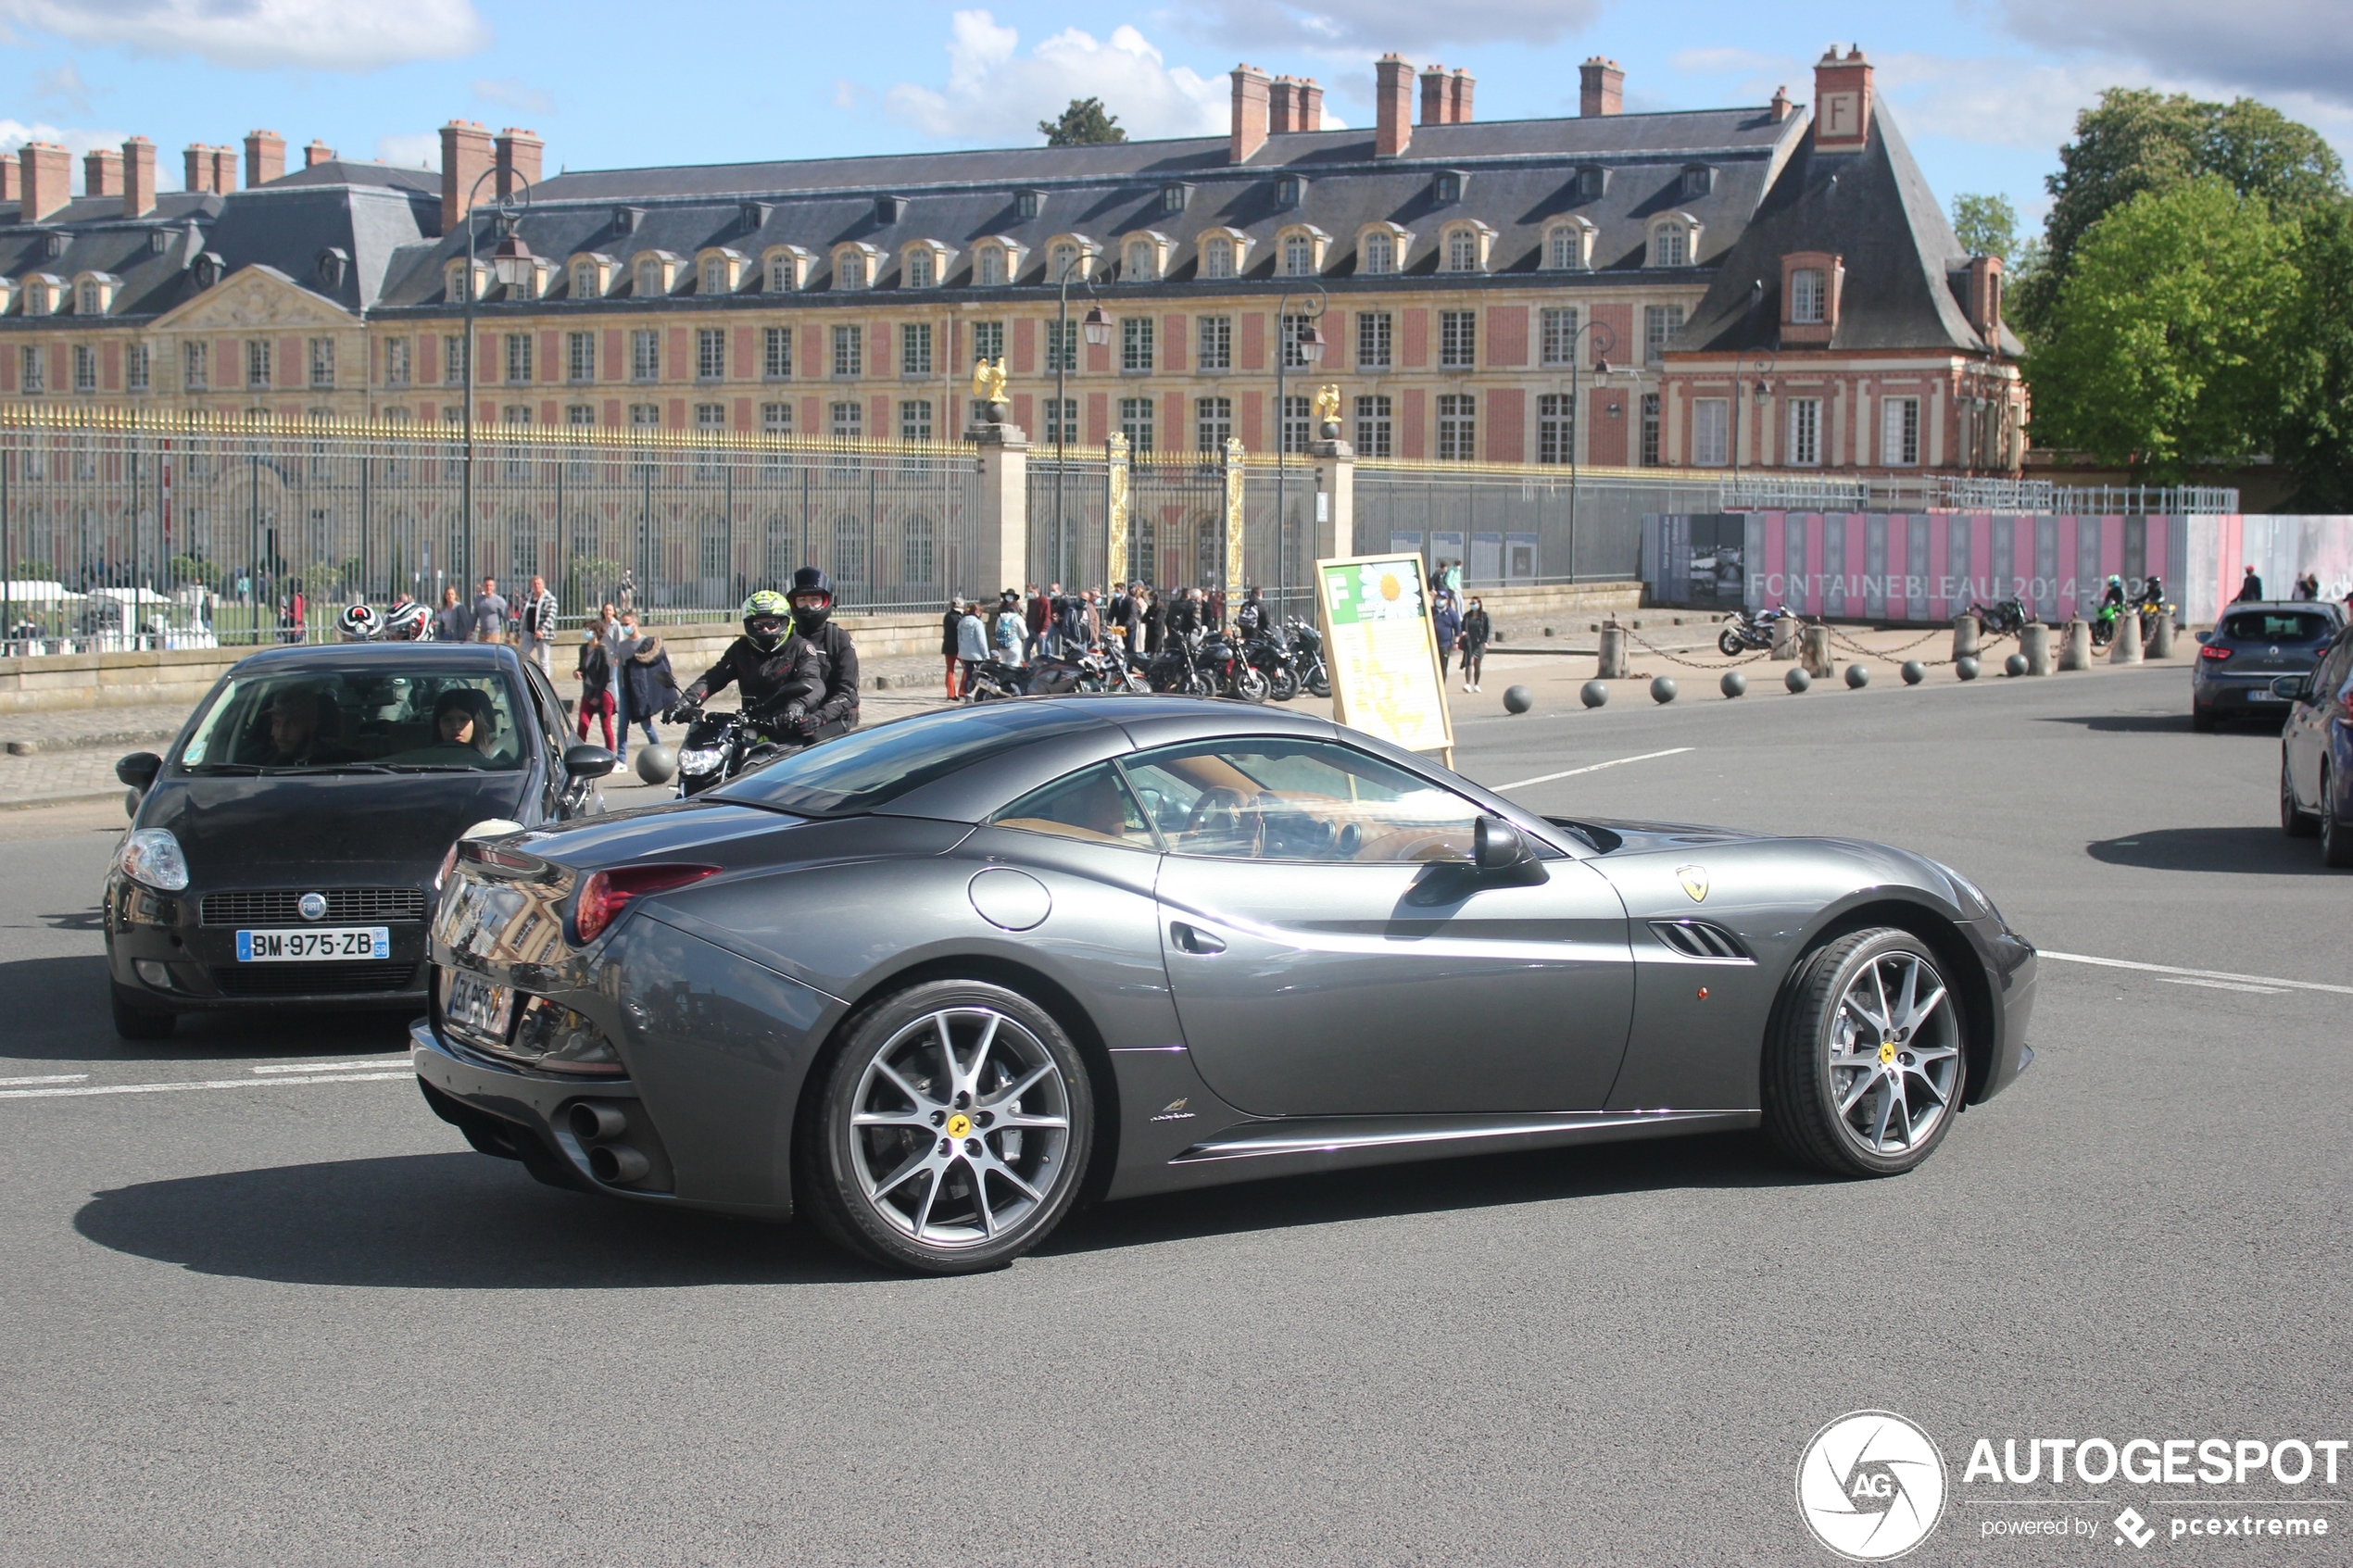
[[2009, 616], [993, 680], [2153, 607], [2105, 621], [718, 747], [1746, 633], [1177, 666], [1307, 657], [1270, 655], [1233, 675]]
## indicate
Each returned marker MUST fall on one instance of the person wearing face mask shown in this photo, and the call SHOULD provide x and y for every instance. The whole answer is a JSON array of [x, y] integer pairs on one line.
[[791, 663]]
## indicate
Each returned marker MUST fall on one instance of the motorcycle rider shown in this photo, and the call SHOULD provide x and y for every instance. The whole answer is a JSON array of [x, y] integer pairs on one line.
[[1252, 619], [2114, 597], [798, 669]]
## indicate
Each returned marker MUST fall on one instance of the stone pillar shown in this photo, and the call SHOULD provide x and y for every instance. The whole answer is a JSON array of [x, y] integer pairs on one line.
[[2126, 646], [2075, 646], [1235, 513], [1335, 497], [2034, 642], [1613, 653], [1785, 636], [1814, 652], [2161, 635], [1966, 632], [1001, 559], [1116, 569]]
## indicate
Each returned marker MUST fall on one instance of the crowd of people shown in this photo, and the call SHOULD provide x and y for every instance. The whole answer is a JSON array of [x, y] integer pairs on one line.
[[1132, 619]]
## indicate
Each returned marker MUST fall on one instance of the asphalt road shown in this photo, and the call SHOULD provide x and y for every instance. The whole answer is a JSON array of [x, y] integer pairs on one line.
[[300, 1322]]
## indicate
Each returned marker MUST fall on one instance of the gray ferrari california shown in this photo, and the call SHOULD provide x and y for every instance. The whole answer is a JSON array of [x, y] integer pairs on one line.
[[933, 982]]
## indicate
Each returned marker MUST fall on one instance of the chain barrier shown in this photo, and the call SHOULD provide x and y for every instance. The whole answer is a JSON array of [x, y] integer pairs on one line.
[[1986, 643], [1649, 646]]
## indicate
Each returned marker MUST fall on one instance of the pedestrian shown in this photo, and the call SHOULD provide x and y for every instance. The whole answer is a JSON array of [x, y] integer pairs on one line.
[[950, 631], [651, 688], [1213, 608], [1448, 625], [300, 631], [1477, 629], [538, 625], [621, 646], [1130, 617], [1009, 627], [2309, 586], [596, 682], [453, 623], [490, 613], [972, 646], [1034, 613], [628, 593], [1454, 584], [2250, 588], [1155, 623]]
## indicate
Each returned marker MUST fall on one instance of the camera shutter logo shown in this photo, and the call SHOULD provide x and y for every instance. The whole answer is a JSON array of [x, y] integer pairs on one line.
[[1871, 1485]]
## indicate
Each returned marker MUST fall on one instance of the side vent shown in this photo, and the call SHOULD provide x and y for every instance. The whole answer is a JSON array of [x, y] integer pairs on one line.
[[1697, 939]]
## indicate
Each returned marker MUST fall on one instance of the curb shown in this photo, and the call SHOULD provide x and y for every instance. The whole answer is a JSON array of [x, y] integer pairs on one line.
[[103, 742], [34, 802]]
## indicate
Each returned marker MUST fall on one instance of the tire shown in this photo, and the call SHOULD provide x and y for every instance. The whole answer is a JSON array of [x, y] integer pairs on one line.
[[1820, 1058], [2102, 634], [1728, 642], [2336, 837], [1320, 683], [877, 1188], [1250, 683], [1282, 684], [2202, 720], [2294, 822], [132, 1021], [1198, 684]]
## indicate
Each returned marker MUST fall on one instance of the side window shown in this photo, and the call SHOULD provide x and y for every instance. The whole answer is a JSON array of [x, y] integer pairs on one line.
[[1298, 800], [1092, 804], [547, 706], [2334, 668]]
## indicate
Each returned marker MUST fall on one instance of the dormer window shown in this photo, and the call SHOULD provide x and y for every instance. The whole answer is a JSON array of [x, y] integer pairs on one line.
[[455, 284], [720, 271], [44, 294], [1377, 253], [1217, 257], [1027, 203], [1810, 281], [1062, 261], [1144, 258], [922, 264], [1302, 251], [1467, 246], [1569, 245], [590, 274], [996, 261], [583, 280], [1806, 295], [1698, 180], [533, 284], [1172, 197], [625, 219], [917, 273], [209, 267], [1591, 183], [1069, 256], [657, 273], [90, 298], [1674, 240], [890, 209], [715, 276], [1447, 189], [784, 269], [1288, 189], [852, 269], [333, 263]]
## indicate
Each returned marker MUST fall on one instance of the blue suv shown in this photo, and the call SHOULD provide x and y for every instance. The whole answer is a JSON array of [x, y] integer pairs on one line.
[[2316, 754], [2251, 646]]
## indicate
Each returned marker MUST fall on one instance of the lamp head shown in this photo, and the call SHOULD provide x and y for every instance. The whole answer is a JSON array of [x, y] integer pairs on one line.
[[513, 260], [1311, 343], [1096, 326]]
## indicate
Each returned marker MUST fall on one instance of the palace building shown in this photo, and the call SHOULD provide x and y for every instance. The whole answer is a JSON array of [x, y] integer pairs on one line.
[[1769, 287]]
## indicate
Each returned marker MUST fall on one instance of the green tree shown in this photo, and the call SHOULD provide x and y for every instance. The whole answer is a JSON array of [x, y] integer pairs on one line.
[[2136, 140], [2166, 344], [1987, 225], [1084, 124], [2315, 435]]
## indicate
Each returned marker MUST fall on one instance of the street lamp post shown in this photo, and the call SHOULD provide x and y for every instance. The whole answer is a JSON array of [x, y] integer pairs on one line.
[[511, 260], [1310, 342], [1097, 327], [1604, 338], [1764, 368]]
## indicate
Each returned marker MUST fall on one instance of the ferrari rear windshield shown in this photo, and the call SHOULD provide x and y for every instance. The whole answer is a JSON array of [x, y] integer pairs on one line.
[[382, 719], [870, 767]]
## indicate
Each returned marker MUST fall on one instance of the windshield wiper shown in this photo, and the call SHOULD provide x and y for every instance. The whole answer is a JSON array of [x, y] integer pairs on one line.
[[425, 768], [330, 768], [220, 767]]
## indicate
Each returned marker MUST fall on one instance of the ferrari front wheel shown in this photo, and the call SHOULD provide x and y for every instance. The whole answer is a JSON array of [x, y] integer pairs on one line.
[[1864, 1070], [951, 1130]]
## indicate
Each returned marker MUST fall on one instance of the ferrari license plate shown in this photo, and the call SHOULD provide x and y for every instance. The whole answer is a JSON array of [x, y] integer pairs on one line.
[[476, 1007], [326, 945]]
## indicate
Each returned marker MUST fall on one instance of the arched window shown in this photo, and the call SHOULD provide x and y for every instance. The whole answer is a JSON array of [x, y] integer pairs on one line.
[[1380, 252], [849, 554], [1805, 295], [583, 280], [1670, 245], [1565, 248], [650, 277], [780, 274], [992, 266], [1062, 260], [849, 269], [915, 561], [715, 276], [919, 268], [89, 306], [1462, 250], [1217, 259], [1299, 255], [1142, 266]]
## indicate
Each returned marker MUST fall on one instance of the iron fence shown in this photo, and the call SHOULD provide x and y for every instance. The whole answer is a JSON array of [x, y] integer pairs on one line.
[[1177, 520], [129, 536], [1069, 518], [1519, 525]]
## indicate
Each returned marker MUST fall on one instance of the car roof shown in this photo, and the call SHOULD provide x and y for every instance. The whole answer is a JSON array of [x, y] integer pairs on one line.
[[457, 657]]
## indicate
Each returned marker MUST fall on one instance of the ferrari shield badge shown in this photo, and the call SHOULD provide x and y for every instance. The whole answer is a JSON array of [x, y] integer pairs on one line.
[[1695, 881]]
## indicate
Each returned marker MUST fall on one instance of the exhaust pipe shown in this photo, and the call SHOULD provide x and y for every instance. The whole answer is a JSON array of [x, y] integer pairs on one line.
[[617, 1164], [592, 1123]]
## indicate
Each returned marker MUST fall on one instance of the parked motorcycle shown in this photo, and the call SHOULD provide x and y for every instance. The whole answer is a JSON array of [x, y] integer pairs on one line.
[[993, 679], [1269, 653], [1229, 669], [1307, 657], [1177, 666], [2008, 616], [1746, 633]]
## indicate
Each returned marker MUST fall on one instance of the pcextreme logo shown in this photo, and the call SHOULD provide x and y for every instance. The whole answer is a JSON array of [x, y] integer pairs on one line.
[[1871, 1485]]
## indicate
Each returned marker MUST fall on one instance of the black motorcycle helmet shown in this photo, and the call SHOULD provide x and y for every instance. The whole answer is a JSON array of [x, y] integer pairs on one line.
[[808, 619]]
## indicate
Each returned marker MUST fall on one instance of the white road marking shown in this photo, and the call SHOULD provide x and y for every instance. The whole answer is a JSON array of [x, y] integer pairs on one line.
[[49, 1078], [335, 1066], [199, 1084], [1613, 762], [2222, 984], [2201, 974]]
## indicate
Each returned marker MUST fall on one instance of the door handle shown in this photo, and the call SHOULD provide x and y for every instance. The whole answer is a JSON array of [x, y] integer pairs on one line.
[[1192, 939]]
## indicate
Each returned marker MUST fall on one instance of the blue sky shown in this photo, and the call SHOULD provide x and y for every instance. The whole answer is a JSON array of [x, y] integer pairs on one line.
[[1984, 89]]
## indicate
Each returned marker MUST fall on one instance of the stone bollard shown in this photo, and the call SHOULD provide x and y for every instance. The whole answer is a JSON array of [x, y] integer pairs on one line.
[[1814, 651], [1613, 662], [2126, 646], [2075, 646], [2161, 635], [1966, 632], [1785, 637], [2034, 642]]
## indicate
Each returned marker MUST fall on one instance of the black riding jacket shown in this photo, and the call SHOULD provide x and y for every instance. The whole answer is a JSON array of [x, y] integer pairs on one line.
[[772, 680]]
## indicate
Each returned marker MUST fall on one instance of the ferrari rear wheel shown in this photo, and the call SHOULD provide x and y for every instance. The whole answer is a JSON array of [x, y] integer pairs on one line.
[[1863, 1072], [952, 1131]]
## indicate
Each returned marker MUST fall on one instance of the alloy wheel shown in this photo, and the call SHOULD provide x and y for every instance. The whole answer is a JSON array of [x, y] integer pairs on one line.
[[960, 1128], [1894, 1054]]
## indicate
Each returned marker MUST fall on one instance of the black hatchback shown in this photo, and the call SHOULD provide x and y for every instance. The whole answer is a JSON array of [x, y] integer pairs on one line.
[[287, 849], [2250, 646]]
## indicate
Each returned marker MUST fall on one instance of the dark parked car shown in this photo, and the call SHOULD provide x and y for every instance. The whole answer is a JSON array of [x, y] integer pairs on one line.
[[2251, 646], [2316, 754], [289, 843], [932, 983]]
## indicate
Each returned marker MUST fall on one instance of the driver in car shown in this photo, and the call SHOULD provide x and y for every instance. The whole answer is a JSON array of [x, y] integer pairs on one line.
[[295, 716]]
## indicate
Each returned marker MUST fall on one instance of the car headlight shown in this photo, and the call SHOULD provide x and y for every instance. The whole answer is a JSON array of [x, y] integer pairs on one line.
[[702, 759], [152, 856]]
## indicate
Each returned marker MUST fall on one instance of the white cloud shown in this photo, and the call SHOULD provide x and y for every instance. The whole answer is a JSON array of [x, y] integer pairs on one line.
[[1368, 28], [63, 87], [996, 95], [422, 150], [259, 34], [2264, 47], [15, 133], [514, 93]]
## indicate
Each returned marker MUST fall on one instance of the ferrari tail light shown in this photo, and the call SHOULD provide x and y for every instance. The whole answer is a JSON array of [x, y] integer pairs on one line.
[[2210, 651], [603, 895]]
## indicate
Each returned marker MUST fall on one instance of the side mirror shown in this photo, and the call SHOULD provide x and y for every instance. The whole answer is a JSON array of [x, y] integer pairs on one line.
[[139, 769], [2203, 635], [1496, 844], [588, 762], [2291, 688]]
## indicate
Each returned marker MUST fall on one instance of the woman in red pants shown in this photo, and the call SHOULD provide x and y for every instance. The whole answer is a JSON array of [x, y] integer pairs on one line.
[[596, 682]]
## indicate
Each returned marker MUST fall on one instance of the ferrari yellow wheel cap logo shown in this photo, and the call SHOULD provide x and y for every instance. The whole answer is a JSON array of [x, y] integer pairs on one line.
[[1695, 881], [1887, 1053], [959, 1126]]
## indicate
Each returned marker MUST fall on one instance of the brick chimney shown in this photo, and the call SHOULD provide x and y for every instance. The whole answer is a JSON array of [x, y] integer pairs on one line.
[[265, 156], [1392, 106], [198, 174], [1282, 106], [1433, 95], [1601, 87], [138, 177], [224, 169], [465, 153], [316, 154], [1251, 105], [1780, 106], [48, 180], [1985, 296], [520, 153], [11, 180], [1841, 101], [101, 172], [1458, 96], [1311, 105]]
